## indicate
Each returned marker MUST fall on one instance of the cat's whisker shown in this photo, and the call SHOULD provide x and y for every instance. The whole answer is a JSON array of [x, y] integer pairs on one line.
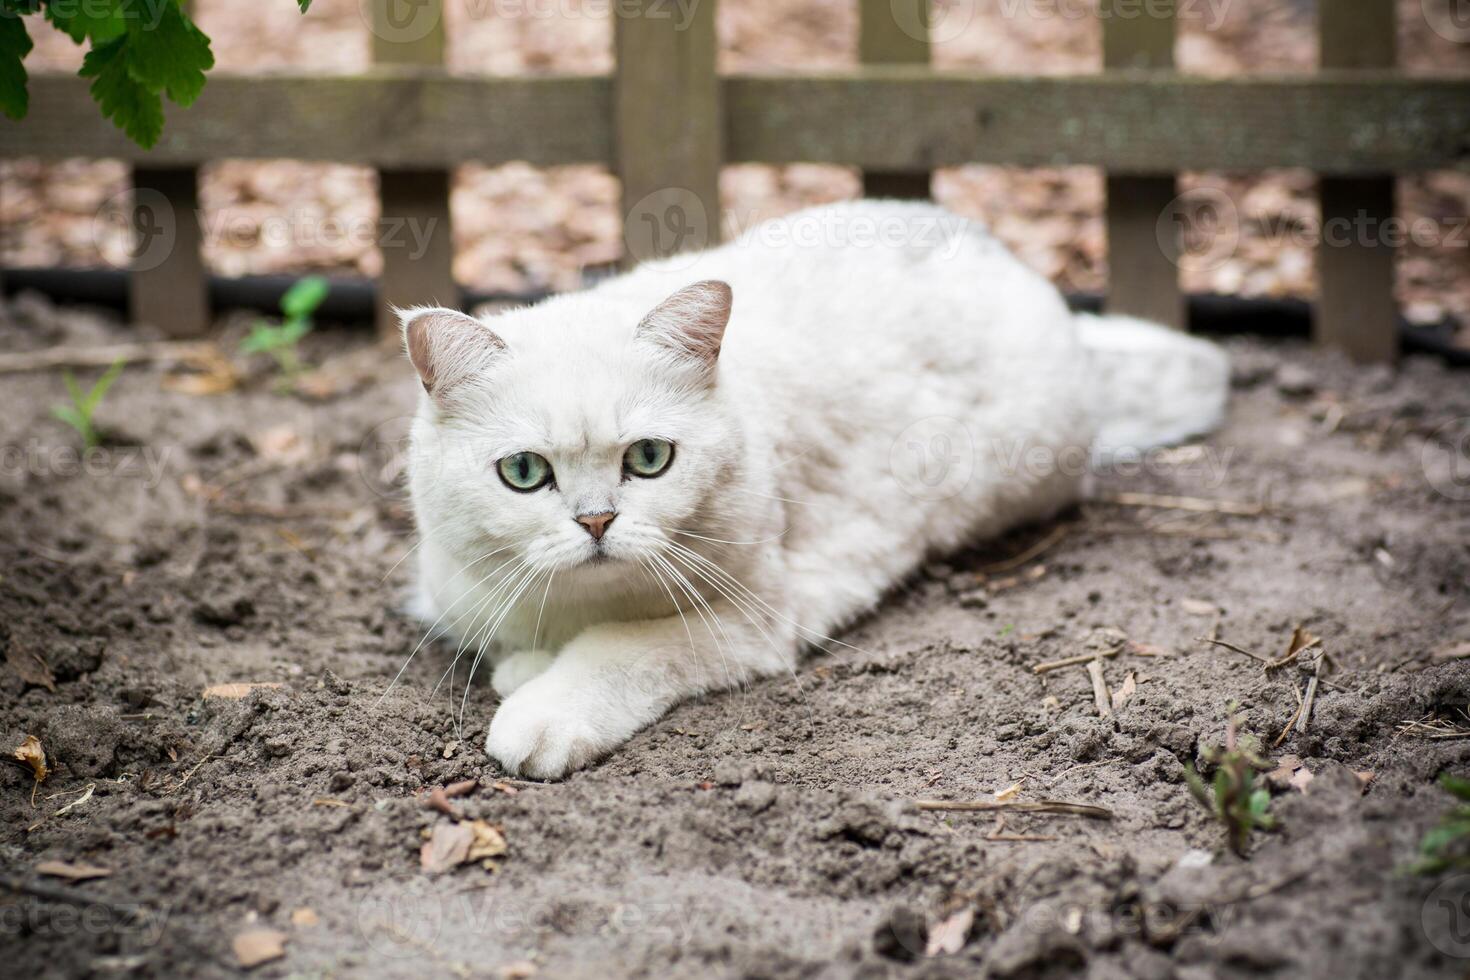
[[693, 648], [753, 620], [429, 633], [771, 610], [493, 599], [528, 584], [771, 496], [693, 594], [702, 537]]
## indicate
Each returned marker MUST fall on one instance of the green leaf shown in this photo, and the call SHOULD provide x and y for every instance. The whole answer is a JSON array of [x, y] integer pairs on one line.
[[132, 107], [99, 390], [15, 44], [304, 296], [73, 389], [262, 338], [1260, 800], [70, 416], [171, 55], [304, 4], [99, 20], [1455, 785]]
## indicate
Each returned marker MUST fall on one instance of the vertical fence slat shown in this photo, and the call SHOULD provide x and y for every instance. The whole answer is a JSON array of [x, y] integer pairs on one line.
[[894, 32], [667, 127], [415, 236], [168, 287], [1356, 311], [1143, 275]]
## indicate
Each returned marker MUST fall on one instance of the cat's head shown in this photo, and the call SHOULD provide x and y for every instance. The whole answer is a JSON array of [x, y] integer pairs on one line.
[[575, 435]]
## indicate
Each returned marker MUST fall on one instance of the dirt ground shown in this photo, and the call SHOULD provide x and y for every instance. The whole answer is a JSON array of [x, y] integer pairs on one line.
[[254, 536]]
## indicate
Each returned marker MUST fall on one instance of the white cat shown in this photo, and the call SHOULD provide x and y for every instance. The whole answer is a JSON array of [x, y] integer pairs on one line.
[[674, 482]]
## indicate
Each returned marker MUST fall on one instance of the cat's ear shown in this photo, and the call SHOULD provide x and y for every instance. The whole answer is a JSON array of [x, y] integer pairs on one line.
[[447, 348], [692, 321]]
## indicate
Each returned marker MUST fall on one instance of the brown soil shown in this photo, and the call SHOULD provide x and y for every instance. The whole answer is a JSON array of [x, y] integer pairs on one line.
[[766, 832]]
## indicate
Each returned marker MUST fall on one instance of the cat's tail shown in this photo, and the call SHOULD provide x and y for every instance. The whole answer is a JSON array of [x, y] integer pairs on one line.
[[1152, 386]]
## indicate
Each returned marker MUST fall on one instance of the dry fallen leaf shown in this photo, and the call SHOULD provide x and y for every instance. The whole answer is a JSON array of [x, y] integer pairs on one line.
[[948, 937], [280, 444], [305, 918], [256, 946], [1125, 691], [71, 872], [236, 691], [30, 752], [1008, 792], [489, 842], [1198, 607], [1290, 774], [448, 846]]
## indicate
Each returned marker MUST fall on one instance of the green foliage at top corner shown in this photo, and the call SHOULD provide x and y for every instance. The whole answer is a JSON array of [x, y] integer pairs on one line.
[[138, 52], [1447, 846]]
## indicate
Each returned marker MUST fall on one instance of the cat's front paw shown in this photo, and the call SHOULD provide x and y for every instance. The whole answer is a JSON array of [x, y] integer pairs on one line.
[[542, 736], [518, 668]]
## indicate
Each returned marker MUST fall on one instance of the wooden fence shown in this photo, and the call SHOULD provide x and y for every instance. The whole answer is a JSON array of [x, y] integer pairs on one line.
[[665, 122]]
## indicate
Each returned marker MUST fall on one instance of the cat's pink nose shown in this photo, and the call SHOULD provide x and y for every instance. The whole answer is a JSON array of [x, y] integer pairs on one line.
[[596, 524]]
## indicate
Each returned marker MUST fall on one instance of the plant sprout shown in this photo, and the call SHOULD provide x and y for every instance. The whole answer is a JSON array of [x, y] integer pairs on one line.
[[1237, 802], [280, 340], [83, 407]]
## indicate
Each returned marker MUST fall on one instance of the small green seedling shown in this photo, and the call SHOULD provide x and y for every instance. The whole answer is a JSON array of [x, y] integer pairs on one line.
[[1237, 802], [1447, 846], [280, 340], [84, 405]]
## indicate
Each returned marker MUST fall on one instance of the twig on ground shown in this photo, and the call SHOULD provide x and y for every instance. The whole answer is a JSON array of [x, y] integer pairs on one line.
[[1233, 648], [1310, 697], [1081, 658], [1199, 505], [1100, 695], [1296, 716], [66, 896], [1018, 806], [1037, 549], [50, 358]]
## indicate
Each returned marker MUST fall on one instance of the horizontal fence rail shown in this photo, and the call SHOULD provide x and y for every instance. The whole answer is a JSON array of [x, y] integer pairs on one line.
[[1341, 123]]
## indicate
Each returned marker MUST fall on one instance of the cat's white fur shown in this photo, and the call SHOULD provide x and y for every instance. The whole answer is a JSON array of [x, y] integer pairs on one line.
[[873, 403]]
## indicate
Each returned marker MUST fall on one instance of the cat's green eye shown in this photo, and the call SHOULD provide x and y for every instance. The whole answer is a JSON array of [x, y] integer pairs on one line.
[[524, 472], [648, 457]]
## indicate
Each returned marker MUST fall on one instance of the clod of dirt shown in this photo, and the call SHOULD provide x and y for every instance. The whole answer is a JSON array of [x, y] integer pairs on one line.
[[256, 946]]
